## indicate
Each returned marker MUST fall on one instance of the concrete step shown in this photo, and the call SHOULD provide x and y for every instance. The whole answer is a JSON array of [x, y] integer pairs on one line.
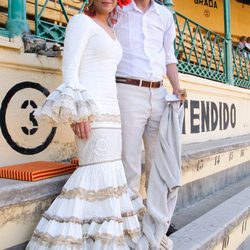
[[186, 215], [223, 227], [211, 166], [207, 168]]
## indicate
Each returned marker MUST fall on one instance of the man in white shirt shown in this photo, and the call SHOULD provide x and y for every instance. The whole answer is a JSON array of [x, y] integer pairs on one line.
[[146, 31]]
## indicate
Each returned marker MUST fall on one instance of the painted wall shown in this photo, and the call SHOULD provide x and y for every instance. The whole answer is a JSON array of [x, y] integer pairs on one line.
[[213, 110], [210, 14], [20, 220], [25, 80]]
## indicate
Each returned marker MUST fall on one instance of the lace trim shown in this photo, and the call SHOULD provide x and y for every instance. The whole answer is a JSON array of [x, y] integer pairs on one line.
[[43, 238], [108, 118], [69, 87], [97, 220], [99, 162], [67, 105], [76, 220], [140, 212], [100, 195]]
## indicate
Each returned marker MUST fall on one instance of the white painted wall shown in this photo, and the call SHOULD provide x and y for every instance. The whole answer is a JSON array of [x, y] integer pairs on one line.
[[18, 68]]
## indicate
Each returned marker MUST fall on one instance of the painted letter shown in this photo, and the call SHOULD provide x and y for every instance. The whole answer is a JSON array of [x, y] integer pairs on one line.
[[233, 115], [214, 116], [194, 128], [225, 116], [205, 116]]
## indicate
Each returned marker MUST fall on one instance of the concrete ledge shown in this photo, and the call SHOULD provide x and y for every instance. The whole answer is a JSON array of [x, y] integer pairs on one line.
[[15, 192], [189, 213], [216, 226], [201, 160], [22, 203], [197, 190], [21, 191], [203, 149]]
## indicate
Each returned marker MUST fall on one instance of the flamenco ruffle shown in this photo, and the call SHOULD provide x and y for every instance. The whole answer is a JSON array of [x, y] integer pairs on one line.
[[71, 222], [67, 104]]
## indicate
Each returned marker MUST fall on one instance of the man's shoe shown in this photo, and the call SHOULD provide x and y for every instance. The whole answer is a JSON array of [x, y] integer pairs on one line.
[[171, 229]]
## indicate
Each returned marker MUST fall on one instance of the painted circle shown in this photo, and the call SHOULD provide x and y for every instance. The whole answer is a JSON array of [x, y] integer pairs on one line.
[[5, 132]]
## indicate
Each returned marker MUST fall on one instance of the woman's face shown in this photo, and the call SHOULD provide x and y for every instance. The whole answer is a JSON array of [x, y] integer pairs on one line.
[[104, 6]]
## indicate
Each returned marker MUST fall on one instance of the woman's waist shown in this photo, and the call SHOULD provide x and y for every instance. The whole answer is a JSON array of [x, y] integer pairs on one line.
[[102, 92], [106, 105], [104, 75]]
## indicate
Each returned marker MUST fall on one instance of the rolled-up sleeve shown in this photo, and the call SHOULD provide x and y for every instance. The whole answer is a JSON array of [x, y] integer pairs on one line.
[[168, 41]]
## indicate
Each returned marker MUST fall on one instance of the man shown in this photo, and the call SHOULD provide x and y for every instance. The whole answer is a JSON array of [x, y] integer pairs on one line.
[[146, 31]]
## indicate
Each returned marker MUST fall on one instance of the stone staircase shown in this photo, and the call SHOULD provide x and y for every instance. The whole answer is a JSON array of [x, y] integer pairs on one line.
[[223, 227], [211, 213]]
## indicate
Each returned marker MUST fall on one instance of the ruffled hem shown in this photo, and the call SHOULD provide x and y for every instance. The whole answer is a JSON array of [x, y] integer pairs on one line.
[[94, 211], [67, 105]]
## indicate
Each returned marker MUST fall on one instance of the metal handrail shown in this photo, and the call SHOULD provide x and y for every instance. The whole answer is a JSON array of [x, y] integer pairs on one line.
[[241, 67], [3, 31], [47, 29], [199, 51]]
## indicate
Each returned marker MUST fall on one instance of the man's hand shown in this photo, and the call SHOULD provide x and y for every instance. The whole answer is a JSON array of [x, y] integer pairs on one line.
[[181, 94], [172, 73], [82, 129]]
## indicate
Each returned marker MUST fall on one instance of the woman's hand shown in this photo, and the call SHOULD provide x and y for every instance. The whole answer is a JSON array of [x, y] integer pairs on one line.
[[82, 129], [181, 94]]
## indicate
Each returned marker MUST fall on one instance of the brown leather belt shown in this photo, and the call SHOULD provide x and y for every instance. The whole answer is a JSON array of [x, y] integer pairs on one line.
[[140, 83]]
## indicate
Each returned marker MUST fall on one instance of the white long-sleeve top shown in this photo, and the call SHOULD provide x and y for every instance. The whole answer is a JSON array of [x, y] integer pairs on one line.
[[147, 41], [89, 64]]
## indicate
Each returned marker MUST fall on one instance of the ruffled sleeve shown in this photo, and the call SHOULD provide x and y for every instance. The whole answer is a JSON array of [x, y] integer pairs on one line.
[[70, 102]]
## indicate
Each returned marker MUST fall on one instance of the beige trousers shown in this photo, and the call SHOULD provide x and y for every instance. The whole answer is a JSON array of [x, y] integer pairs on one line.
[[141, 110]]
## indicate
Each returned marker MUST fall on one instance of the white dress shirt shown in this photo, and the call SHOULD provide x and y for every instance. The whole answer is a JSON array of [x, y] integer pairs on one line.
[[147, 41]]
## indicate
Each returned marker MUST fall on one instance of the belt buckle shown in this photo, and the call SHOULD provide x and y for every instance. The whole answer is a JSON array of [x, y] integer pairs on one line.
[[151, 83]]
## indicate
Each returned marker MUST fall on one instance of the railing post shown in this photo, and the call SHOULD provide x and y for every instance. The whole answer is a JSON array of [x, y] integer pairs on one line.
[[169, 4], [228, 44], [17, 22]]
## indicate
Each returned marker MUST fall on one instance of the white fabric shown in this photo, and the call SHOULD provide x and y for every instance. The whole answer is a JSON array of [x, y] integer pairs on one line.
[[147, 41], [95, 209], [165, 177], [89, 64], [141, 110], [92, 178]]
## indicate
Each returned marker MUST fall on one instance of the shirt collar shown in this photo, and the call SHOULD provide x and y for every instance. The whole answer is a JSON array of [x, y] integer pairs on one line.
[[153, 7]]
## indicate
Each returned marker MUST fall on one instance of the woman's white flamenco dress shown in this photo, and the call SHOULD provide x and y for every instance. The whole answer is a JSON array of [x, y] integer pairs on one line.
[[95, 210]]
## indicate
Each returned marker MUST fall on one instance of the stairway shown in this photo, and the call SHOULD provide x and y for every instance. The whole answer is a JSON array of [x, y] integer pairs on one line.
[[212, 211], [213, 203]]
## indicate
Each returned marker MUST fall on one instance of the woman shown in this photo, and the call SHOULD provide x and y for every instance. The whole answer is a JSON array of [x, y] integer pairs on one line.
[[94, 209]]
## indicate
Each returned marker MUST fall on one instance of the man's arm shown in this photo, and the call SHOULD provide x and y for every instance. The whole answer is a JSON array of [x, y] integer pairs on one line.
[[172, 73], [170, 59]]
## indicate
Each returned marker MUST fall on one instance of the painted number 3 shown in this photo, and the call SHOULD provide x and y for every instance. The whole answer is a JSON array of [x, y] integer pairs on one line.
[[25, 105], [29, 107]]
